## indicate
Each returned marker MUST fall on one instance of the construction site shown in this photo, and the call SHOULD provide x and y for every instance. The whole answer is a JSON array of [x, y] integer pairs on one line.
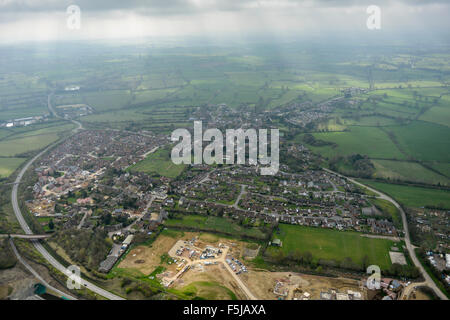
[[220, 265]]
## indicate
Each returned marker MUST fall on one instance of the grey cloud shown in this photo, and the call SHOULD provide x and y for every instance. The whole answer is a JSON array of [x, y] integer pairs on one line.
[[161, 7]]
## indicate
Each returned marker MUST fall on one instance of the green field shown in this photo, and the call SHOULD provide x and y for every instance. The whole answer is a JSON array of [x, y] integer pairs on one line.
[[334, 245], [214, 224], [159, 162], [424, 141], [390, 210], [208, 290], [13, 147], [443, 168], [407, 171], [18, 140], [413, 196], [370, 141], [9, 165]]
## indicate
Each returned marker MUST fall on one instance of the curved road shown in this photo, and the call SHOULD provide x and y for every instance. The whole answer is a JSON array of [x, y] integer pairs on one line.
[[37, 244], [26, 236], [428, 281], [34, 273]]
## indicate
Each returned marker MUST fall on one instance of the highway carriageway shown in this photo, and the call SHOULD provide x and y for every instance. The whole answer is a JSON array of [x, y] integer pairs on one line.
[[26, 236]]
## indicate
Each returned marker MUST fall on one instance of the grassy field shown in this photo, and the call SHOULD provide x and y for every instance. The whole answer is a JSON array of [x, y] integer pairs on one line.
[[370, 141], [401, 170], [215, 224], [443, 168], [334, 245], [440, 112], [424, 141], [159, 162], [389, 209], [18, 140], [413, 196], [13, 147], [209, 290], [9, 165], [115, 116]]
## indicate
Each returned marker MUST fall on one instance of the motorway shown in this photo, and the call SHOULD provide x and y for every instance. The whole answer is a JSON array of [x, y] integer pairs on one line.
[[428, 281], [34, 273], [36, 243], [26, 236]]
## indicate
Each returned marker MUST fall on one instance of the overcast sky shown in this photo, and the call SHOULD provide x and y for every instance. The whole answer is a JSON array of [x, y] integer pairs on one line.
[[37, 20]]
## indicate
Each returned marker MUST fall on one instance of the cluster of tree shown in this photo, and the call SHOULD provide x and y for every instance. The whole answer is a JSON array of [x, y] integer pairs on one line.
[[293, 162], [306, 259], [312, 141], [83, 193], [5, 195], [402, 271], [108, 219], [130, 202], [87, 247], [420, 238], [144, 237], [7, 258], [110, 174], [355, 165], [440, 275], [131, 285], [266, 229]]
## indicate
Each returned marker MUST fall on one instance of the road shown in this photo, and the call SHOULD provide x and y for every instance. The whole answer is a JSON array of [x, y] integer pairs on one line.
[[428, 281], [80, 225], [26, 236], [34, 273], [36, 243], [376, 236], [236, 203], [409, 289], [239, 281]]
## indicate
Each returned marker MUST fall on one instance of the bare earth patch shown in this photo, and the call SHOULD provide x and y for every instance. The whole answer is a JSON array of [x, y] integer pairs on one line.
[[147, 258], [262, 284], [213, 273], [397, 257]]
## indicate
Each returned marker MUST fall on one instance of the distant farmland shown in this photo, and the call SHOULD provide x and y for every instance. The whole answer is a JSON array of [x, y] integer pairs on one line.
[[9, 165], [413, 196]]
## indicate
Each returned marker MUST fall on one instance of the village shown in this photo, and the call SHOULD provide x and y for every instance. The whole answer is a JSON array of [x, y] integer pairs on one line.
[[84, 184], [313, 198]]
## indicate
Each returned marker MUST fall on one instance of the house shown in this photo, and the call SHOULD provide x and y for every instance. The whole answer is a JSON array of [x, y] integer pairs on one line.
[[276, 242], [368, 211], [107, 264], [395, 285], [127, 241]]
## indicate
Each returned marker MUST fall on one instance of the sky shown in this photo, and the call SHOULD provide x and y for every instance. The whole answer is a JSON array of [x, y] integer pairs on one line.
[[46, 20]]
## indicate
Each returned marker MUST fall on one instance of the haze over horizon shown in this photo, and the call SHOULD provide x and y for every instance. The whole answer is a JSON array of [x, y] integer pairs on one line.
[[46, 20]]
